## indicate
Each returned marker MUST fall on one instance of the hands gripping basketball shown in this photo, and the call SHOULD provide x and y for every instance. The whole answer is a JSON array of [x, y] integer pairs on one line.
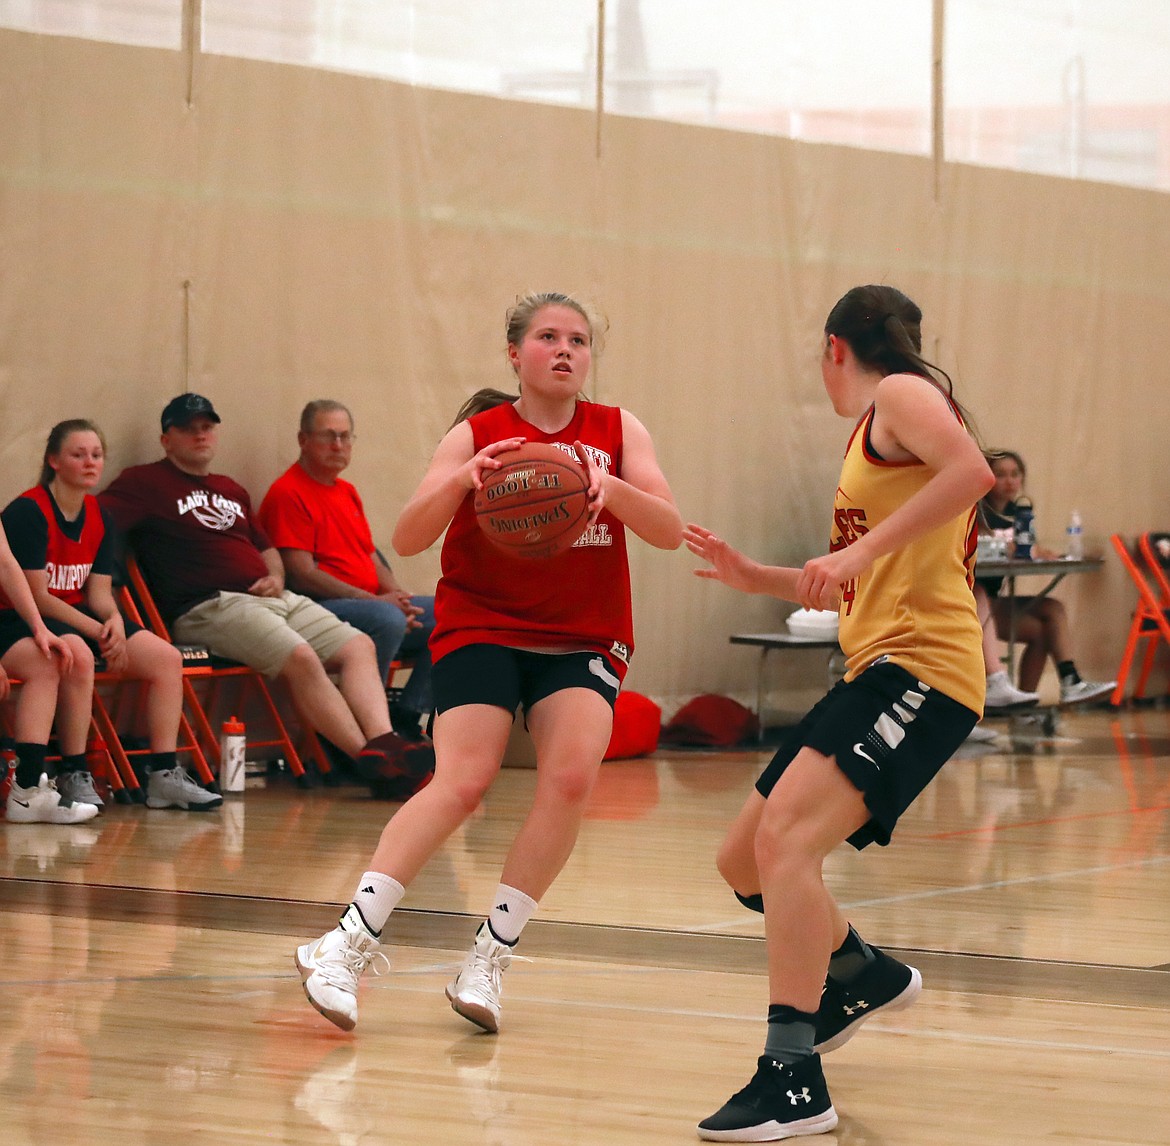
[[488, 459], [535, 499]]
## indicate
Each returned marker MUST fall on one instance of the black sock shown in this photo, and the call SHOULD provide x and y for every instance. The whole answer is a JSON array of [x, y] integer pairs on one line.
[[76, 763], [161, 762], [1067, 671], [30, 763], [407, 722], [851, 958], [790, 1034]]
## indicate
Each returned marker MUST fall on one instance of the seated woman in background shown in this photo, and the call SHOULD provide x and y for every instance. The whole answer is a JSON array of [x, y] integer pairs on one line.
[[1041, 623], [64, 545], [1002, 695]]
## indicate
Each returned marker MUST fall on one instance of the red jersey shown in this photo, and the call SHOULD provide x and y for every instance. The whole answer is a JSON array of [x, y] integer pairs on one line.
[[579, 599], [328, 521], [194, 534], [67, 560]]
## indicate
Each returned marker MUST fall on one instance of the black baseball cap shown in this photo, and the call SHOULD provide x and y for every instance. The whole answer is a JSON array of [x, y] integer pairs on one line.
[[186, 408]]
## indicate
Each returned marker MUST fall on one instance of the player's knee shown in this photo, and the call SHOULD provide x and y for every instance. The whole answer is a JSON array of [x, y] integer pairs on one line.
[[302, 664], [161, 659], [466, 793], [82, 658], [1051, 609], [776, 842], [170, 659], [360, 647], [572, 786]]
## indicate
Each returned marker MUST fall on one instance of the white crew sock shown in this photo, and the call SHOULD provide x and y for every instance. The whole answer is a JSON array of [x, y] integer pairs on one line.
[[512, 909], [377, 895]]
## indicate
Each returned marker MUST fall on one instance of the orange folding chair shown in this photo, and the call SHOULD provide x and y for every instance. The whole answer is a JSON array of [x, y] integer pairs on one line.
[[213, 671], [1151, 618], [402, 664], [108, 716], [1155, 551]]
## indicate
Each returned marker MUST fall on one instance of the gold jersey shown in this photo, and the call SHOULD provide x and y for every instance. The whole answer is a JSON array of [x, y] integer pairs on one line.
[[915, 605]]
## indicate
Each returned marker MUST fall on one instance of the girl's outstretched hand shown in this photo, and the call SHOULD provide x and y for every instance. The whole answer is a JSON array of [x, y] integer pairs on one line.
[[727, 564]]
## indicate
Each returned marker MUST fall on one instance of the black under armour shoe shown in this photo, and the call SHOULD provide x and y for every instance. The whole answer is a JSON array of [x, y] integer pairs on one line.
[[885, 985], [781, 1101]]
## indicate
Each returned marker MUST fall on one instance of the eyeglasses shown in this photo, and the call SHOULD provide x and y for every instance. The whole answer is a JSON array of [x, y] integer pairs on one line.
[[334, 438]]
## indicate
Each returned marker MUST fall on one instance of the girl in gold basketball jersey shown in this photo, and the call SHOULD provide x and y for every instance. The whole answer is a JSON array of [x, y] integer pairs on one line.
[[899, 570]]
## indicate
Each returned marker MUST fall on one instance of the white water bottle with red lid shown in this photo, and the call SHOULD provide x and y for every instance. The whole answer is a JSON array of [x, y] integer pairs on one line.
[[232, 749]]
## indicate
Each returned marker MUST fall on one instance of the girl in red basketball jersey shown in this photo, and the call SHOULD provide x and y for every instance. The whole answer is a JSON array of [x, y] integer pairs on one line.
[[552, 635], [900, 569], [64, 544]]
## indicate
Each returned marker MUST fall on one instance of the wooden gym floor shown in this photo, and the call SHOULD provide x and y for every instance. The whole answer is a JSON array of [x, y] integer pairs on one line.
[[150, 995]]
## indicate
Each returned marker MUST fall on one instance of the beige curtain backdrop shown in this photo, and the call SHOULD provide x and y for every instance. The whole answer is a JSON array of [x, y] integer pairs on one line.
[[294, 234]]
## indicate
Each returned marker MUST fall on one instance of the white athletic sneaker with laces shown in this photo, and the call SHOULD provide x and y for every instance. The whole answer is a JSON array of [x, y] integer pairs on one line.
[[44, 805], [331, 966], [78, 788], [173, 788], [1001, 693], [1085, 690], [475, 992]]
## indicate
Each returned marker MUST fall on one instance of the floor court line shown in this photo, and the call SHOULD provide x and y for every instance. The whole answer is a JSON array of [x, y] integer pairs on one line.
[[756, 1019], [406, 980], [1043, 823], [964, 889]]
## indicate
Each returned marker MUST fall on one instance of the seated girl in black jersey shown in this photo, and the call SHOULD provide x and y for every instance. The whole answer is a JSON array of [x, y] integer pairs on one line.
[[1041, 623], [64, 545]]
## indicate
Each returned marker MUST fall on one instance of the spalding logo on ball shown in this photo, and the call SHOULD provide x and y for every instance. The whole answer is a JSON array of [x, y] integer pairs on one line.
[[537, 503]]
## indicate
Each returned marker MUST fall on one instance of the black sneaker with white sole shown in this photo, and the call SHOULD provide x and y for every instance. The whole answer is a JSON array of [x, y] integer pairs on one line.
[[884, 985], [781, 1101]]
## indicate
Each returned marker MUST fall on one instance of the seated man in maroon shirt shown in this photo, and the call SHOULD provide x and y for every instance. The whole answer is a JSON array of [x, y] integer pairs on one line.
[[219, 582]]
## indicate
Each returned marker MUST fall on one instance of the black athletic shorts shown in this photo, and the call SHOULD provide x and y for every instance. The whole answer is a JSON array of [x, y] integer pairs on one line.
[[13, 629], [889, 734], [508, 678]]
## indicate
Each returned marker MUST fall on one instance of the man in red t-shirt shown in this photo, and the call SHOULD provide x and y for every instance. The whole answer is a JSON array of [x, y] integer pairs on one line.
[[219, 582], [317, 521]]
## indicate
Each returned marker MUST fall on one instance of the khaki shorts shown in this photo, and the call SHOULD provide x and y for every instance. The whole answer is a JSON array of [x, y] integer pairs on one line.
[[263, 631]]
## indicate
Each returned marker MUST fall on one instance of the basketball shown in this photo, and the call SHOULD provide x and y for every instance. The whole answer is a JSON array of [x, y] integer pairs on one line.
[[537, 503]]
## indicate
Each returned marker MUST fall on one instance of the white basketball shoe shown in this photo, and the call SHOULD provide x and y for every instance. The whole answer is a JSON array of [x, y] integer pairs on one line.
[[45, 805], [331, 966], [475, 992]]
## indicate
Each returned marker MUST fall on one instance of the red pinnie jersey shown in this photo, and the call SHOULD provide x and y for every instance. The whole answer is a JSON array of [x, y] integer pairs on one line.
[[579, 599]]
